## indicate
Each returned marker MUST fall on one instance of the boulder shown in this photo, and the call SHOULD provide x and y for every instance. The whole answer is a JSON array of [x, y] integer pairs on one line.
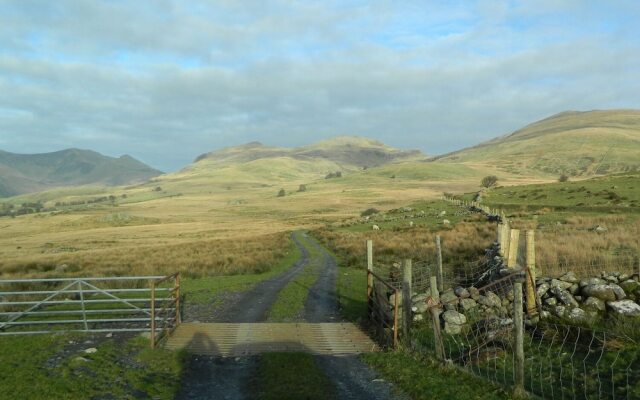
[[419, 308], [574, 289], [468, 304], [607, 292], [551, 301], [592, 281], [569, 277], [542, 289], [578, 315], [629, 286], [559, 311], [564, 297], [452, 329], [625, 308], [448, 297], [454, 317], [420, 297], [556, 283], [461, 292], [594, 304], [474, 293]]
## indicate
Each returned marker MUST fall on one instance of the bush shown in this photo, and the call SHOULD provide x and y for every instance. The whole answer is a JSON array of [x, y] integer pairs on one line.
[[489, 181], [369, 211], [281, 193], [563, 178], [302, 188]]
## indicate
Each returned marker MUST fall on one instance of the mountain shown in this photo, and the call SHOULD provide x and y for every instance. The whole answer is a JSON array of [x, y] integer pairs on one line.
[[574, 143], [27, 173], [353, 151], [256, 164]]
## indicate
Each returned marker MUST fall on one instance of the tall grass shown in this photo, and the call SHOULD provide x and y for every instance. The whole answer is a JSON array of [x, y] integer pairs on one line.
[[253, 254]]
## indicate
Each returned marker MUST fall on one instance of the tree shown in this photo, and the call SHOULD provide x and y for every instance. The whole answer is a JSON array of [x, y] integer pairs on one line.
[[302, 188], [281, 193], [563, 178], [489, 181]]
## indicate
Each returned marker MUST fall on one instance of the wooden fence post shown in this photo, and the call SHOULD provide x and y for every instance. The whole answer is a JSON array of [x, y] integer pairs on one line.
[[153, 314], [435, 318], [531, 272], [177, 288], [506, 236], [406, 299], [500, 233], [369, 276], [518, 321], [439, 255], [514, 241]]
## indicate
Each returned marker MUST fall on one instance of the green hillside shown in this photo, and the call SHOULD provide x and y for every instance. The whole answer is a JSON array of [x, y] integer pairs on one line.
[[574, 143], [28, 173]]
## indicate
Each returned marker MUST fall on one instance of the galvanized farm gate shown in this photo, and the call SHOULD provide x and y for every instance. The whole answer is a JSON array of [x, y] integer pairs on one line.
[[107, 304]]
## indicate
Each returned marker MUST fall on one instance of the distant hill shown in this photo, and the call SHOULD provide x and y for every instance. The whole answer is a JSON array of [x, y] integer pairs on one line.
[[353, 151], [27, 173], [257, 163], [575, 143]]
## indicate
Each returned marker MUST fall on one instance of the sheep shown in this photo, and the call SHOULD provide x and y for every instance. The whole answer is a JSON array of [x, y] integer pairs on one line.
[[445, 222], [411, 223], [376, 228], [443, 213]]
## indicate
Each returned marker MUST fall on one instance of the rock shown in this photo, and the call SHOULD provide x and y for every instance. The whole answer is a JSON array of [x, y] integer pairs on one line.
[[578, 298], [600, 229], [575, 288], [494, 298], [449, 297], [505, 302], [420, 308], [91, 350], [629, 286], [611, 279], [421, 297], [474, 293], [564, 296], [544, 314], [510, 296], [392, 299], [108, 335], [82, 360], [556, 283], [418, 318], [468, 304], [594, 304], [452, 329], [607, 292], [592, 281], [461, 292], [578, 315], [625, 308], [453, 322], [454, 317], [559, 311], [624, 276], [551, 301], [542, 289], [569, 277]]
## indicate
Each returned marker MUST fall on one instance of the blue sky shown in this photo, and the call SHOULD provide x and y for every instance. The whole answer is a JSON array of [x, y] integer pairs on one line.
[[167, 80]]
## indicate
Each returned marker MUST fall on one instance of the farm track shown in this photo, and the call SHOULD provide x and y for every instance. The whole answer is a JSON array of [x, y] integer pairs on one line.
[[228, 378]]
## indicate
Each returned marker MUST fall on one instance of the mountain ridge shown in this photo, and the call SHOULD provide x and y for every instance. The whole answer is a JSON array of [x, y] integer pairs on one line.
[[27, 173]]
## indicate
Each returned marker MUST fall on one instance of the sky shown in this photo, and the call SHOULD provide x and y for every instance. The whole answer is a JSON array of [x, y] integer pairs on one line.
[[167, 80]]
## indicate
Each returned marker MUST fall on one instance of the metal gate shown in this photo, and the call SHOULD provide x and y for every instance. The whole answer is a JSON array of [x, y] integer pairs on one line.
[[108, 304]]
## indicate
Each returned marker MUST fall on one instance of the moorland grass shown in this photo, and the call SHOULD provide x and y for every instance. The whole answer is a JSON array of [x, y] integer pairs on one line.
[[36, 367]]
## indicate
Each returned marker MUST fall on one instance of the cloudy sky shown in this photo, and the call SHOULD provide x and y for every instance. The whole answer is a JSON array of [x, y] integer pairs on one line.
[[167, 80]]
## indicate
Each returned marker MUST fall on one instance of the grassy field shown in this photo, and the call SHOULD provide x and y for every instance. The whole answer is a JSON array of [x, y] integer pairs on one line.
[[565, 216], [57, 367]]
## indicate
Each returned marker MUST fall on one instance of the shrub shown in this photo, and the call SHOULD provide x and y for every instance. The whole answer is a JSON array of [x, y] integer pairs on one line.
[[302, 188], [369, 211], [281, 193], [563, 178], [489, 181]]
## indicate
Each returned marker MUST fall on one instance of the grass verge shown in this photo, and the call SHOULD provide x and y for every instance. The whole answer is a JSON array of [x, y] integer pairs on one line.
[[423, 379], [291, 376], [56, 367]]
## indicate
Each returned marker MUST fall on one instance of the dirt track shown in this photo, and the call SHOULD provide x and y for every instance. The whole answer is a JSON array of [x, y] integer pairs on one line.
[[229, 378]]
